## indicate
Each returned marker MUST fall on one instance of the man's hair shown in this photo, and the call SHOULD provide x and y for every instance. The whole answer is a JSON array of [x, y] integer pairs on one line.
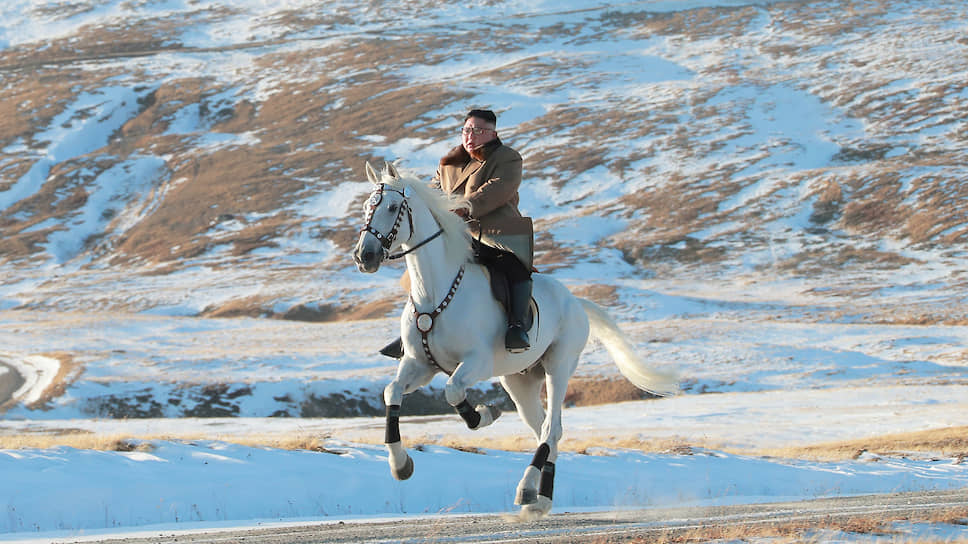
[[486, 115]]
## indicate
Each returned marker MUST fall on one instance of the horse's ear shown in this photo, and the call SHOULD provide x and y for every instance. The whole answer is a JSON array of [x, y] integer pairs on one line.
[[392, 170], [371, 174]]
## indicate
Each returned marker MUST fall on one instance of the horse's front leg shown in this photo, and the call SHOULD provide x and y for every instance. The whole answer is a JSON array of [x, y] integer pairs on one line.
[[411, 375], [468, 373]]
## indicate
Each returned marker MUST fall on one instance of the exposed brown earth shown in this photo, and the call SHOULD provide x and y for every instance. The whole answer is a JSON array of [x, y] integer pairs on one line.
[[223, 400], [301, 115], [310, 128]]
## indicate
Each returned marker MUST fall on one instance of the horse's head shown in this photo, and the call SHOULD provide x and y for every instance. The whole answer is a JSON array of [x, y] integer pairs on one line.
[[384, 215]]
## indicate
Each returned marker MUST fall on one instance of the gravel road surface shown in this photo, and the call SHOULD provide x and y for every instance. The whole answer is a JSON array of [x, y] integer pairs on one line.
[[600, 527]]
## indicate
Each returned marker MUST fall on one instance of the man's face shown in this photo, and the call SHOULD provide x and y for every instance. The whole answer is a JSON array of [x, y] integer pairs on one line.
[[475, 133]]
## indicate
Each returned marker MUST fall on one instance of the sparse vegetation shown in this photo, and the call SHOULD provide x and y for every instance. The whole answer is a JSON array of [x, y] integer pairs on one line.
[[707, 164], [799, 532], [950, 442], [941, 444], [311, 124]]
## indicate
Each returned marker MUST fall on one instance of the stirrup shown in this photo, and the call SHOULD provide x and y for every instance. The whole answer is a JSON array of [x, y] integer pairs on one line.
[[393, 350], [516, 339]]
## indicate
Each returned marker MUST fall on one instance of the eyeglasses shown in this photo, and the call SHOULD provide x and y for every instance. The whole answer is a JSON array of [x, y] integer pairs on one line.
[[475, 130]]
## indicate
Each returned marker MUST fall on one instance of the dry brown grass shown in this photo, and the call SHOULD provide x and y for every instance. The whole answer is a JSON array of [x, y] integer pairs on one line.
[[75, 439], [120, 442], [311, 130], [947, 442], [592, 391], [262, 307], [951, 516], [606, 295]]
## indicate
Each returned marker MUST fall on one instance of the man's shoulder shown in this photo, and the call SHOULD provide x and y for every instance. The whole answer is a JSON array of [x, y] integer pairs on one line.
[[505, 153]]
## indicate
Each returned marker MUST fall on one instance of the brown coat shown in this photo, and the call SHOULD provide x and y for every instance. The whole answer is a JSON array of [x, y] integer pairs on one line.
[[491, 189]]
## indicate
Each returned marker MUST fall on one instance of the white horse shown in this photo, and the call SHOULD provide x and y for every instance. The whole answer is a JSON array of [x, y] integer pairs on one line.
[[453, 324]]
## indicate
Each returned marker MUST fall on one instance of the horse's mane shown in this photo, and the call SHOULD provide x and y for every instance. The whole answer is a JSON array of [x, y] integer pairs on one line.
[[457, 236]]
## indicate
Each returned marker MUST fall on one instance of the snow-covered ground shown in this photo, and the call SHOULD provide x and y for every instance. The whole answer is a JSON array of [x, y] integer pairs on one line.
[[872, 381], [182, 485], [771, 356]]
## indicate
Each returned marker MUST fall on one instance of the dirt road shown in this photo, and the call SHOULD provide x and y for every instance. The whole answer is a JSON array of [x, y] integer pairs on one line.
[[614, 526]]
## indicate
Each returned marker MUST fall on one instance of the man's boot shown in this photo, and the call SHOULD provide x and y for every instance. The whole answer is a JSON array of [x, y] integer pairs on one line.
[[516, 339], [394, 349]]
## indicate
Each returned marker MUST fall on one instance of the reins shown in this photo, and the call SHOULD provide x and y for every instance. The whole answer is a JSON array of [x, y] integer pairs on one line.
[[424, 321], [416, 247]]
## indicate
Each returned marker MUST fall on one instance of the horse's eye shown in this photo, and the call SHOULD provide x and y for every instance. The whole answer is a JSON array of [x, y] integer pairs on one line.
[[393, 208]]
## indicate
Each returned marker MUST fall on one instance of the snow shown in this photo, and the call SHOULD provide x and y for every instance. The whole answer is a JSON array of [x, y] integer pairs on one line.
[[166, 484], [207, 483], [769, 366], [38, 373]]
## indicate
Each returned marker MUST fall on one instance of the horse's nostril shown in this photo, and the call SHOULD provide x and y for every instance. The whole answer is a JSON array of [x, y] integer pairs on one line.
[[366, 258]]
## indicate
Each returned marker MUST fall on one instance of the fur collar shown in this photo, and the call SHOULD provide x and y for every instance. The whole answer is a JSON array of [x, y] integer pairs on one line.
[[458, 156]]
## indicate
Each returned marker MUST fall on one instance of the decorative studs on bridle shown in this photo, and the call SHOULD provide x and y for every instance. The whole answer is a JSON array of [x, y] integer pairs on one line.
[[386, 240], [423, 320]]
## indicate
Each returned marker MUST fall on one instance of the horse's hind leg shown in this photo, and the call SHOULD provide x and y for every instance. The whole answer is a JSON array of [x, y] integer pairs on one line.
[[559, 364], [525, 390], [411, 375]]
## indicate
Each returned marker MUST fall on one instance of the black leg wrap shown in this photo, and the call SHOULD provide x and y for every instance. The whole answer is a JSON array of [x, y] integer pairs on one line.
[[541, 456], [547, 487], [469, 414], [393, 424]]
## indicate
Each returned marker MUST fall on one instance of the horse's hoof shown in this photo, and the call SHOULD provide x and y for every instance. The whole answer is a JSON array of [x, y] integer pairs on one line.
[[526, 497], [404, 472], [488, 414], [538, 509]]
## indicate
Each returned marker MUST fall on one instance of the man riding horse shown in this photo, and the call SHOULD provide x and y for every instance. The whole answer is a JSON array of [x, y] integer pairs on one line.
[[487, 174]]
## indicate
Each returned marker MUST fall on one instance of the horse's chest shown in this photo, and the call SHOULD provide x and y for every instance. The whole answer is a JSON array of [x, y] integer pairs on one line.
[[438, 345]]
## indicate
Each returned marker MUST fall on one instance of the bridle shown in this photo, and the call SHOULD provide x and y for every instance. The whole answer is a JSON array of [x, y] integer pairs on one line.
[[386, 240], [424, 320]]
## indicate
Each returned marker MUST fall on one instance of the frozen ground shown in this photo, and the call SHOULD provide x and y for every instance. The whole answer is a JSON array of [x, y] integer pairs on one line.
[[768, 196], [790, 385]]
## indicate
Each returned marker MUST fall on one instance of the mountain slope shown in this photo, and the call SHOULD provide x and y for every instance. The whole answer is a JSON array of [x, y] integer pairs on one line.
[[744, 142]]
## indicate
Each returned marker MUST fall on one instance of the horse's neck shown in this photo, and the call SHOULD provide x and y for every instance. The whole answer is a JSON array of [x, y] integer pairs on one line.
[[431, 275]]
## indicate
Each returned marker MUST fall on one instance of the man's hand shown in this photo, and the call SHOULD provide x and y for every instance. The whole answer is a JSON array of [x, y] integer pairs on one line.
[[462, 212]]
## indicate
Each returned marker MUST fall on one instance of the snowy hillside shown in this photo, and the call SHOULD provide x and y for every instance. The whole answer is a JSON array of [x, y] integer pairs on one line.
[[192, 146], [190, 159], [768, 196]]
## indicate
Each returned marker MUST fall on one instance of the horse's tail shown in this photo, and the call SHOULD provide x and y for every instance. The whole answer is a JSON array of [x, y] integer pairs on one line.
[[629, 363]]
